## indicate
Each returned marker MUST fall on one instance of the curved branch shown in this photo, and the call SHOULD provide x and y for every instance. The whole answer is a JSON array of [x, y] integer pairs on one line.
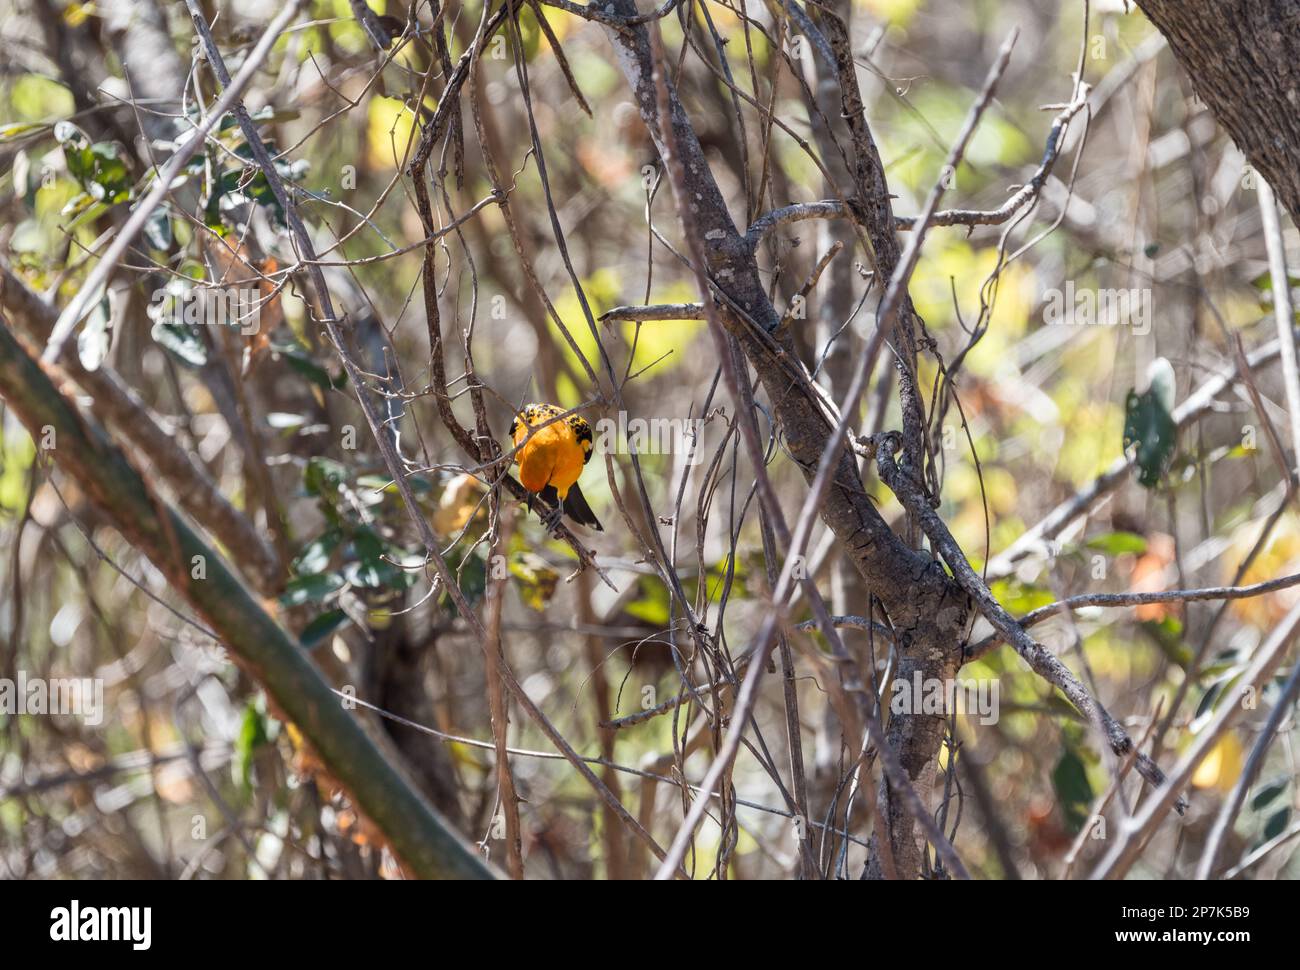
[[834, 209], [1046, 664]]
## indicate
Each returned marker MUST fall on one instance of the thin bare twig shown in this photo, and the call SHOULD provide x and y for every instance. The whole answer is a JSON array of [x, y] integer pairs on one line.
[[1137, 829], [392, 460], [1117, 600]]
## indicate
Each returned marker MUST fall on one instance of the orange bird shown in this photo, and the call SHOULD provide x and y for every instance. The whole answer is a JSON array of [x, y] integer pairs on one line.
[[551, 458]]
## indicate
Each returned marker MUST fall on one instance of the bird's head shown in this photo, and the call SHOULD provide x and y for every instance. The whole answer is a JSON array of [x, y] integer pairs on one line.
[[526, 414]]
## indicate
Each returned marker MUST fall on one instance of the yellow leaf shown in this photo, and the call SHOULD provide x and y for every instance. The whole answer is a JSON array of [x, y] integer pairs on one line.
[[602, 290], [897, 12], [1221, 767], [461, 499], [537, 581], [77, 14], [1279, 557], [563, 23], [390, 126]]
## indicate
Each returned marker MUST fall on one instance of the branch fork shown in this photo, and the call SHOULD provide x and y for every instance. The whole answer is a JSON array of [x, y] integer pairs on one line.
[[1042, 661]]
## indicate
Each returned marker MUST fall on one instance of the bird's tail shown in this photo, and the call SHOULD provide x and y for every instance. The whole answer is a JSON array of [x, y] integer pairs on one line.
[[575, 506]]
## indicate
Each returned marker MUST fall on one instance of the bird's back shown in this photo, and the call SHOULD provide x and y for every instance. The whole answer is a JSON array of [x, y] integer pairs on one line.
[[555, 454]]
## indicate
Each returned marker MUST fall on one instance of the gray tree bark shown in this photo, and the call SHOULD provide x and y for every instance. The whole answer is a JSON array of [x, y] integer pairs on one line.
[[1243, 58], [926, 607]]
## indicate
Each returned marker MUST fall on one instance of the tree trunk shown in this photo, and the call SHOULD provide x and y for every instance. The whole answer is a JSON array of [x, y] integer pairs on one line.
[[926, 608], [1243, 58]]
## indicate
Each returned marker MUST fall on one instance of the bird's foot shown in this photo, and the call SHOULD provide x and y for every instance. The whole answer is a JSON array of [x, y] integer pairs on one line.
[[551, 520]]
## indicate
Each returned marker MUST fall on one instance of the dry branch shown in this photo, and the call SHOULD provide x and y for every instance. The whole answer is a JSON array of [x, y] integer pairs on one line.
[[419, 836]]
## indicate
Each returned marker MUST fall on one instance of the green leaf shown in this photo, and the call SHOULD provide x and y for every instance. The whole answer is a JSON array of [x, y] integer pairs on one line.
[[110, 181], [17, 130], [1264, 282], [315, 556], [382, 483], [95, 336], [323, 476], [310, 589], [27, 237], [1070, 779], [257, 188], [216, 191], [1168, 636], [715, 579], [158, 229], [1268, 793], [212, 214], [35, 97], [368, 546], [252, 735], [377, 563], [1211, 696], [1118, 543], [99, 167], [1021, 598], [182, 342], [1276, 823], [1150, 430], [311, 370], [66, 134], [318, 630], [367, 574], [80, 209], [653, 605], [473, 580]]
